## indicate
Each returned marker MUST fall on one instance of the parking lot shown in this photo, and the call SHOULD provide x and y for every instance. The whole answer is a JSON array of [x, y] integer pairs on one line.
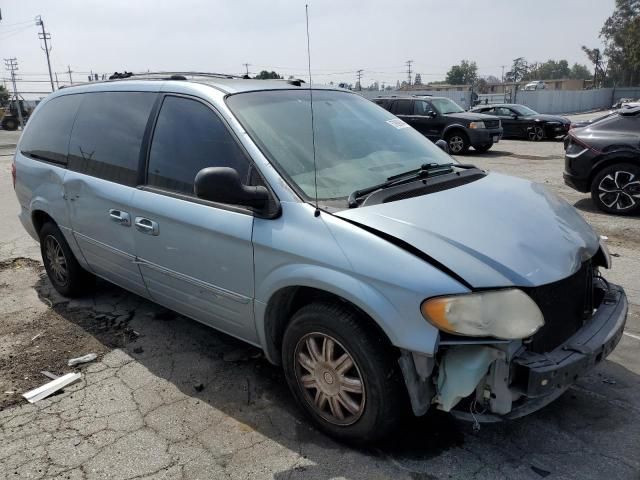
[[170, 398]]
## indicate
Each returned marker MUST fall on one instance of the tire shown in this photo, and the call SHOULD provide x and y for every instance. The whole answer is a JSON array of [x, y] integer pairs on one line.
[[64, 271], [483, 148], [9, 124], [376, 394], [616, 189], [458, 142], [536, 133]]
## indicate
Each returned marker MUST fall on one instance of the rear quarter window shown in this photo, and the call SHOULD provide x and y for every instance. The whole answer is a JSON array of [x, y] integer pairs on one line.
[[47, 134], [107, 135]]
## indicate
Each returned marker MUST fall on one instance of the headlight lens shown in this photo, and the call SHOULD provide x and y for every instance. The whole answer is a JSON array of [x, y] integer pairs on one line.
[[506, 314], [476, 125]]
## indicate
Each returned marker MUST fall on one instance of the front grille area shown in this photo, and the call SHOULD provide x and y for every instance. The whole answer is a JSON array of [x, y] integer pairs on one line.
[[565, 305], [491, 123]]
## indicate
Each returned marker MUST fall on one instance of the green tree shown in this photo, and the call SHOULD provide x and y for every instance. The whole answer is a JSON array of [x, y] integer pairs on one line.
[[580, 72], [464, 74], [621, 34], [265, 75], [519, 70], [599, 65], [549, 70], [4, 96]]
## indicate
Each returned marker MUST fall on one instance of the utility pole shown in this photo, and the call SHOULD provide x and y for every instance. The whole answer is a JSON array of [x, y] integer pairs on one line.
[[359, 75], [69, 71], [45, 36], [408, 64], [595, 69], [246, 66], [11, 64]]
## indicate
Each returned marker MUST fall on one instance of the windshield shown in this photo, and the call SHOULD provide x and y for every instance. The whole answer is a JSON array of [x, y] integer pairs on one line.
[[523, 110], [358, 144], [444, 106]]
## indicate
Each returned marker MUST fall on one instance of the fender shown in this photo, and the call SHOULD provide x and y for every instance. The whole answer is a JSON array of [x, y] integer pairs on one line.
[[416, 333], [454, 125]]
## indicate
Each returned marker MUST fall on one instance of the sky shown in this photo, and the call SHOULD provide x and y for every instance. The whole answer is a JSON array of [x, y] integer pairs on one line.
[[377, 36]]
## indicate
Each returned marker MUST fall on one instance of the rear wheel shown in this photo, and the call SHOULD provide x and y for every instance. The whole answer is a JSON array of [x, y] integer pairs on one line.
[[458, 142], [64, 271], [483, 148], [342, 374], [616, 189], [9, 124], [536, 133]]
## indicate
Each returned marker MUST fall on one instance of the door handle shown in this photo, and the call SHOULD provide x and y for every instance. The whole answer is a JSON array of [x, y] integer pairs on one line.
[[147, 226], [118, 216]]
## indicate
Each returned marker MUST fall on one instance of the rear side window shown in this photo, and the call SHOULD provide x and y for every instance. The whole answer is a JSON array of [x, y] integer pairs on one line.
[[403, 107], [107, 135], [188, 137], [47, 137]]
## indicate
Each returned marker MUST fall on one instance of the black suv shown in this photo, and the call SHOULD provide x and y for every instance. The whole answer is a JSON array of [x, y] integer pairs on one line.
[[439, 117], [604, 158]]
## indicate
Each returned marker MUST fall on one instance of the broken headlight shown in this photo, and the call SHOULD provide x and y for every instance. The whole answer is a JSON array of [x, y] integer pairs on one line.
[[507, 314]]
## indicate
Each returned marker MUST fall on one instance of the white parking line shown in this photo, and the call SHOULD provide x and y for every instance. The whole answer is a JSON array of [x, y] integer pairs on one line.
[[631, 335]]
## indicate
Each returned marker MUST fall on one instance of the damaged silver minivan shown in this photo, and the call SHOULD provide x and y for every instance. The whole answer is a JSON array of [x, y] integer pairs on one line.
[[381, 274]]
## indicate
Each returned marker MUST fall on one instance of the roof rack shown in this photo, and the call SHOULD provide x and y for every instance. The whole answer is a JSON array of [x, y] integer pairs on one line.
[[178, 75]]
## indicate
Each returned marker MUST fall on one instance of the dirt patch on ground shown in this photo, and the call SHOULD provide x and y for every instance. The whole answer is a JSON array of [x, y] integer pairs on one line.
[[41, 330]]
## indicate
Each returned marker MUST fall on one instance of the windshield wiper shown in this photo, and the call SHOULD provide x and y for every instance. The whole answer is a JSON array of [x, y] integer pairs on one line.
[[425, 170]]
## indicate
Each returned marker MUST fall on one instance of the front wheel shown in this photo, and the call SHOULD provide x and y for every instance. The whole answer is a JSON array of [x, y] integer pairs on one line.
[[616, 189], [9, 124], [343, 374], [458, 142]]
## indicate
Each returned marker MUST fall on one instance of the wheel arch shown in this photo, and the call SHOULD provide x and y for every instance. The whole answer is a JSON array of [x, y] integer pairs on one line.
[[454, 127], [273, 316], [601, 164]]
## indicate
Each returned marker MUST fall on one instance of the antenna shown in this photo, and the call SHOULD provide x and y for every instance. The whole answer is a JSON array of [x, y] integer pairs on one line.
[[313, 130]]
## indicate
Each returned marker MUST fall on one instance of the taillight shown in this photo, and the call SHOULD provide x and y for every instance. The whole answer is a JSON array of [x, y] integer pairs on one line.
[[13, 174]]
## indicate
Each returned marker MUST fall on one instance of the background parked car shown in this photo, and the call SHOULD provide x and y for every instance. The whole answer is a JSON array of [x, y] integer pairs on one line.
[[537, 85], [520, 121], [604, 158], [442, 118]]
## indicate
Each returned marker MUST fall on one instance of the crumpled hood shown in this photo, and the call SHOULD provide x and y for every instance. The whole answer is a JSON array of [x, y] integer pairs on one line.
[[495, 232]]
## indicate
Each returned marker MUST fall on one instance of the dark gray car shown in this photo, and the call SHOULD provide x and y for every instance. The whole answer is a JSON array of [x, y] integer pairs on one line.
[[442, 118]]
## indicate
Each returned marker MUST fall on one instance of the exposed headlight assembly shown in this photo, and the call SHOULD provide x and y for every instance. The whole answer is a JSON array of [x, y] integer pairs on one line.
[[506, 314], [475, 125]]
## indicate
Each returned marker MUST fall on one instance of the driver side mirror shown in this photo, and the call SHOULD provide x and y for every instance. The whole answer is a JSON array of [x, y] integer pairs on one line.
[[432, 114], [223, 185], [443, 145]]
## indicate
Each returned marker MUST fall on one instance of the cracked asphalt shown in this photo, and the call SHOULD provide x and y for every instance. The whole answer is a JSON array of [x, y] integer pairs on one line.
[[169, 398]]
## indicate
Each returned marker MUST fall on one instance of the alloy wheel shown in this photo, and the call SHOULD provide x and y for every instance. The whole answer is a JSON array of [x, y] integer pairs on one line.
[[456, 144], [56, 260], [619, 190], [536, 134], [329, 378]]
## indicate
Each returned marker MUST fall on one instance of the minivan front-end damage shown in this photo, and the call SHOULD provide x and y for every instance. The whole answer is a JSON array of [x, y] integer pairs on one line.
[[490, 379]]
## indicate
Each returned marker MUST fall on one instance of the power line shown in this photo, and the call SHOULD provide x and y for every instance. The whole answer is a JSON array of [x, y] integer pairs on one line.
[[11, 65], [359, 75], [408, 64], [46, 36]]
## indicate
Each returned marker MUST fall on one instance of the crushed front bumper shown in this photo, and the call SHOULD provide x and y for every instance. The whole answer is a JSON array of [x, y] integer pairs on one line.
[[536, 379]]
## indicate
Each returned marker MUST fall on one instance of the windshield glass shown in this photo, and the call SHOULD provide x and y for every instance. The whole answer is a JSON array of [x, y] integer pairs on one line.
[[444, 106], [523, 110], [358, 144]]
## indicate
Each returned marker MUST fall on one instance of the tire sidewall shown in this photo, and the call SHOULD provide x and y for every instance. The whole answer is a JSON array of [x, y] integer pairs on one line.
[[463, 136], [78, 279], [596, 183], [364, 429]]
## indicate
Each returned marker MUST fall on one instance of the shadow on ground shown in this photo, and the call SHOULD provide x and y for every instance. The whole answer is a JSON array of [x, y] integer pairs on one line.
[[590, 432]]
